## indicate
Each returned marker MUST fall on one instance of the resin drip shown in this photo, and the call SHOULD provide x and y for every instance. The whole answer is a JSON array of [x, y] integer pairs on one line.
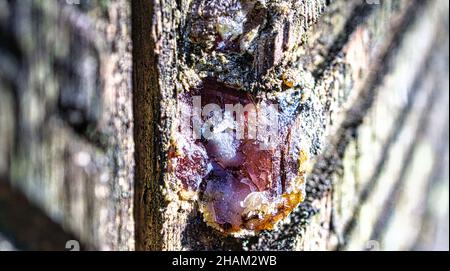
[[245, 181]]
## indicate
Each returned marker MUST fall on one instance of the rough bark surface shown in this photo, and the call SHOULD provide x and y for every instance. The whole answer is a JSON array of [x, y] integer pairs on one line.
[[351, 52]]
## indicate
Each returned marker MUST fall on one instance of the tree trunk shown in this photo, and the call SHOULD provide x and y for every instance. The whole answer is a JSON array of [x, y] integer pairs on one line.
[[92, 94], [66, 117], [350, 53]]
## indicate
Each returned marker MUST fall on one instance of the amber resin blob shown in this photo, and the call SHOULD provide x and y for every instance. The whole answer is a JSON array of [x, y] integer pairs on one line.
[[245, 166]]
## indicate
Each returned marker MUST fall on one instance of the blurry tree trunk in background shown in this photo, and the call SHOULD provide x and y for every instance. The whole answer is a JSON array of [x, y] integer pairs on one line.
[[84, 139], [66, 117]]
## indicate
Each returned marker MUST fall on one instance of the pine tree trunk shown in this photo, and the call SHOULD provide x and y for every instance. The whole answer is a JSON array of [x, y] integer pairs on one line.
[[349, 51], [90, 95], [66, 119]]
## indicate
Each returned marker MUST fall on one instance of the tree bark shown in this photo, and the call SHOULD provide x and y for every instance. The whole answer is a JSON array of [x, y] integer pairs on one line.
[[348, 52], [66, 118], [91, 95]]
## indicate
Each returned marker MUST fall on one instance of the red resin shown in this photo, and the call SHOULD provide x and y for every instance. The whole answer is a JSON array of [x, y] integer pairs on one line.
[[191, 165], [229, 170]]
